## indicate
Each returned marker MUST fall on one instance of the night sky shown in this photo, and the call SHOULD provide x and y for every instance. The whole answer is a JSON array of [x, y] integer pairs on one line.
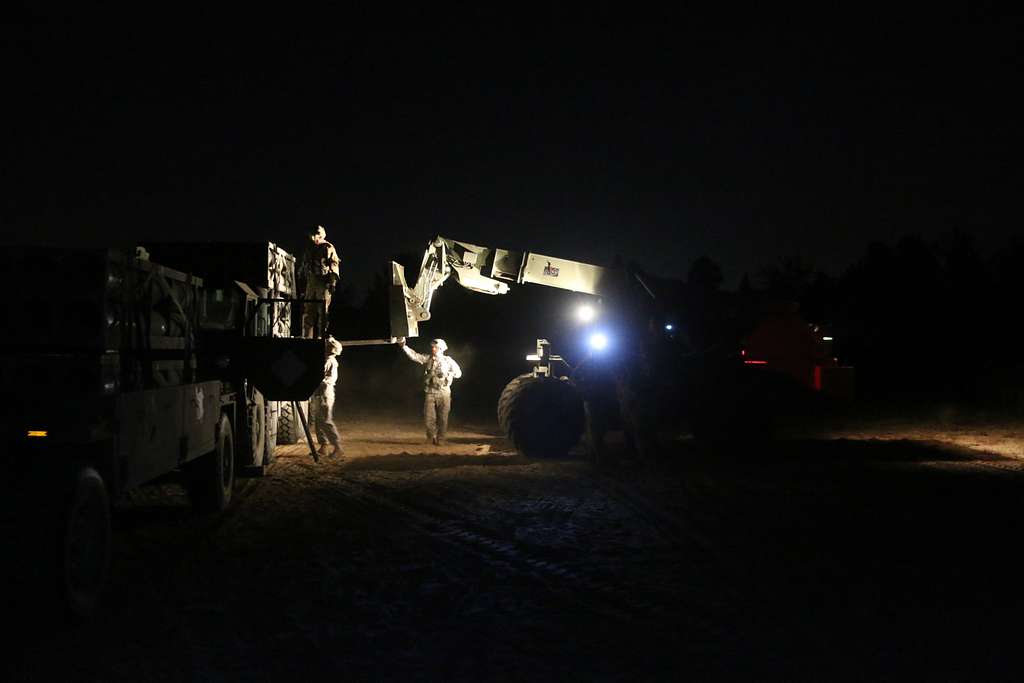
[[658, 141]]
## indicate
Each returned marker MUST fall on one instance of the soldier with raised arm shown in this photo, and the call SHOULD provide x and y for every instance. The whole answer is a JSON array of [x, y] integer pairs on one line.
[[439, 371]]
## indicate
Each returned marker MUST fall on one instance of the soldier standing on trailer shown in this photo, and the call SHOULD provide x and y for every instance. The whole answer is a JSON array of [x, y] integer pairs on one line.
[[320, 267], [321, 404], [439, 371]]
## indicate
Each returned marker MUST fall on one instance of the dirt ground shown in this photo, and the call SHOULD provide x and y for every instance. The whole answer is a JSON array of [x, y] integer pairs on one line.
[[871, 549]]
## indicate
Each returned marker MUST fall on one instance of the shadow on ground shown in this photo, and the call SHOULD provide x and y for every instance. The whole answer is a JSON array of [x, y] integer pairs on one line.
[[405, 461]]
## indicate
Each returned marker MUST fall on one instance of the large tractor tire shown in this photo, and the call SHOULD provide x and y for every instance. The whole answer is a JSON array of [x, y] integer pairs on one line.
[[289, 428], [211, 479], [542, 415]]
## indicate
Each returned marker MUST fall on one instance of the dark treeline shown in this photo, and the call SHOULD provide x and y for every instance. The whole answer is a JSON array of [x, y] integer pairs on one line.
[[920, 320]]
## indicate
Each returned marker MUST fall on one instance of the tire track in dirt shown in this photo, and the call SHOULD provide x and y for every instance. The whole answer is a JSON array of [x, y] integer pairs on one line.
[[654, 605], [602, 596]]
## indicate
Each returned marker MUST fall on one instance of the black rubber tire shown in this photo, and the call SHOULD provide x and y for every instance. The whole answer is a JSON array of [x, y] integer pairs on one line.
[[543, 416], [270, 442], [257, 426], [85, 544], [506, 400], [289, 428], [211, 479]]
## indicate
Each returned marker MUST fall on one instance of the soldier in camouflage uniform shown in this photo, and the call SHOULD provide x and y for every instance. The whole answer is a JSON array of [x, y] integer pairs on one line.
[[320, 267], [321, 404], [439, 371]]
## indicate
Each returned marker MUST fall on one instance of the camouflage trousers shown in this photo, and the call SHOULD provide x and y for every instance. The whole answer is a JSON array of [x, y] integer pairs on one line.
[[321, 414], [314, 314], [436, 406]]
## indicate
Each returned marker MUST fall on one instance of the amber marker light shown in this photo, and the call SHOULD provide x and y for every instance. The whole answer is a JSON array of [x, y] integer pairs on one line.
[[37, 434]]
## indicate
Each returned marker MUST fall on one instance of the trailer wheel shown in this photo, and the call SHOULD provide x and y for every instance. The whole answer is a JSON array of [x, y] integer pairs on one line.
[[289, 429], [211, 478], [270, 441], [85, 543], [257, 410], [542, 415]]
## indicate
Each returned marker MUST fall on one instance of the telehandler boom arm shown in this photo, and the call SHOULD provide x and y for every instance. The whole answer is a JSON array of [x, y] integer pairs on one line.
[[487, 270]]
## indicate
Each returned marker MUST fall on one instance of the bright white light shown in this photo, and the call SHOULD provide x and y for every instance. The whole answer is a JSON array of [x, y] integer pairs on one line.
[[585, 313], [826, 339], [598, 341], [669, 326], [533, 357]]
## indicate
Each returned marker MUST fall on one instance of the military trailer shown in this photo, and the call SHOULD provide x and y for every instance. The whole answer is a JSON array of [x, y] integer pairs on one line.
[[115, 371], [268, 273]]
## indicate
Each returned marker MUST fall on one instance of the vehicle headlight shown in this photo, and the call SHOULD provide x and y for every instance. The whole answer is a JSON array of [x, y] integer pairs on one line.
[[585, 313], [598, 341]]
